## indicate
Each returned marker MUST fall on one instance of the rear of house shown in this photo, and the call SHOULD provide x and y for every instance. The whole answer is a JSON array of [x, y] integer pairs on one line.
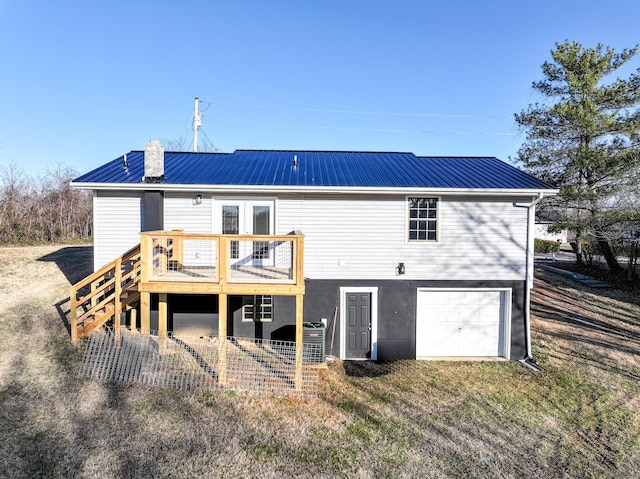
[[404, 256]]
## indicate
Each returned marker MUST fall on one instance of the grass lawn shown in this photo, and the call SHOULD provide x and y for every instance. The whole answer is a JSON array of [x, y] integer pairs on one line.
[[580, 418]]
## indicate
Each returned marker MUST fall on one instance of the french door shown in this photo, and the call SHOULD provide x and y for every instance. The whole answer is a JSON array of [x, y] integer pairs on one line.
[[247, 217]]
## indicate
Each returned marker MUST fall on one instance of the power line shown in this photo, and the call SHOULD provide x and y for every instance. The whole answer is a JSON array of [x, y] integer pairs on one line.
[[377, 130], [206, 103], [362, 112], [211, 144]]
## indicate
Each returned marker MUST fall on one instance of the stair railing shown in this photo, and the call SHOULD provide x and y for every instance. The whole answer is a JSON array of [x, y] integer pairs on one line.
[[97, 298]]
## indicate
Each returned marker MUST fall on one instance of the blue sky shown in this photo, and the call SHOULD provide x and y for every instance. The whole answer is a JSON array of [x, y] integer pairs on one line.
[[85, 81]]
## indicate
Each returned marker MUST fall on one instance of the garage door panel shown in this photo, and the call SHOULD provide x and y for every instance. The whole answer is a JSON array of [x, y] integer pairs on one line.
[[440, 298], [441, 313], [445, 344], [460, 323]]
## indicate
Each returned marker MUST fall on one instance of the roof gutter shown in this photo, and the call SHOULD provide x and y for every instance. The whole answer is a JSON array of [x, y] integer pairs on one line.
[[271, 189], [531, 216]]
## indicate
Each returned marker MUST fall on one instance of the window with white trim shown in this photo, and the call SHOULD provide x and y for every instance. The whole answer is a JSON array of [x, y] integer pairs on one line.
[[423, 219], [257, 308]]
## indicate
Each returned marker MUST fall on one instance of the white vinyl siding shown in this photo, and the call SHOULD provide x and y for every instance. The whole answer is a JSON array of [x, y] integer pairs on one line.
[[185, 212], [365, 238], [350, 237], [182, 212], [118, 219]]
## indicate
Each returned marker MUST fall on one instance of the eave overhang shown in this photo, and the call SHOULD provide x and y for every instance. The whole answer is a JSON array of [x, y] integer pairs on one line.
[[292, 189]]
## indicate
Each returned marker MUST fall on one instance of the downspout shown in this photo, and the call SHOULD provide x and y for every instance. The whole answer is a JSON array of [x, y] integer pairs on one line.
[[531, 216]]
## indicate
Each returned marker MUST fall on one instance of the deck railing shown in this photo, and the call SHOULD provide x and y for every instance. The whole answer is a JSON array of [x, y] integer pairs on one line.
[[178, 257], [177, 262], [97, 298]]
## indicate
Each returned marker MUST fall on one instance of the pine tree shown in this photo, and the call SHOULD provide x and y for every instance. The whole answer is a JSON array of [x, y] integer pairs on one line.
[[584, 138]]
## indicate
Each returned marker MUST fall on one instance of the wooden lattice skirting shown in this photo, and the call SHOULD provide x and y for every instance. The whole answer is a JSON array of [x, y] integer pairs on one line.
[[188, 363]]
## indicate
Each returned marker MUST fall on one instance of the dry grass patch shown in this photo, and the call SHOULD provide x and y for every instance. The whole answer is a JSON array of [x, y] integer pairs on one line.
[[409, 419]]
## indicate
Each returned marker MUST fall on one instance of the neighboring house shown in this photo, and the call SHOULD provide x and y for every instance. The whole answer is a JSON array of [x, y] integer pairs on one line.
[[423, 257], [542, 232]]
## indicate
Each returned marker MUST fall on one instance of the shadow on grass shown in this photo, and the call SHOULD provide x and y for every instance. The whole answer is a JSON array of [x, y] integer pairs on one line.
[[430, 411], [599, 327], [586, 315], [544, 309], [75, 262], [63, 310], [55, 424]]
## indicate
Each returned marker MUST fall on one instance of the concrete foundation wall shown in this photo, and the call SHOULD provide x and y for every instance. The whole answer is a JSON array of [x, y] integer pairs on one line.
[[197, 315]]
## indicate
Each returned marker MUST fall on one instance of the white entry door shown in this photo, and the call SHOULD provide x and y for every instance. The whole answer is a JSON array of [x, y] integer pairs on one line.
[[452, 323]]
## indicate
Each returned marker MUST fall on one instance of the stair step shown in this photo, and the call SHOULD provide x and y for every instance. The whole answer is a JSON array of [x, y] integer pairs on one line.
[[129, 293], [99, 288], [99, 318], [127, 302], [105, 313], [132, 287]]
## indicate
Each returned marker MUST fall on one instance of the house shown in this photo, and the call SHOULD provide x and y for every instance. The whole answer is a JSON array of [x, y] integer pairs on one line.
[[400, 256], [542, 232]]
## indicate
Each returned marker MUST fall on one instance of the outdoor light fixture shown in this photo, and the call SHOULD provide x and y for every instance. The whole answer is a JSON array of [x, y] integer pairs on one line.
[[197, 200], [400, 268]]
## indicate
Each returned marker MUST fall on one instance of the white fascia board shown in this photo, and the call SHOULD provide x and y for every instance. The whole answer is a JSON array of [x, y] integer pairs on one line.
[[311, 189]]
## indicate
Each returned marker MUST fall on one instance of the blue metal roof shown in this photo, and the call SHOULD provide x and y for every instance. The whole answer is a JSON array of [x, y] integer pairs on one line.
[[320, 169]]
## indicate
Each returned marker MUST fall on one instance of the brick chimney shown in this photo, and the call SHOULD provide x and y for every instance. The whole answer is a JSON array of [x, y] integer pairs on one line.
[[153, 162]]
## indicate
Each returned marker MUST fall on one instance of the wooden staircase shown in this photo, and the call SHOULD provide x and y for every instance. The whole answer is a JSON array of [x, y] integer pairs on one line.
[[103, 295]]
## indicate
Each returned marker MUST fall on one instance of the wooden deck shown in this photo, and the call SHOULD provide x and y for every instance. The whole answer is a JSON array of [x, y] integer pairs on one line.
[[173, 262]]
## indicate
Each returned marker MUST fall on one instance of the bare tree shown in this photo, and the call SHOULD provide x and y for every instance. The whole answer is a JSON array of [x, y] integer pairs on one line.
[[184, 143], [39, 210]]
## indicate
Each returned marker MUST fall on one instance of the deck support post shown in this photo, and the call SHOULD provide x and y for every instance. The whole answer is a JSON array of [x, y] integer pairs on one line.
[[299, 340], [162, 315], [133, 320], [162, 323], [145, 312], [222, 335]]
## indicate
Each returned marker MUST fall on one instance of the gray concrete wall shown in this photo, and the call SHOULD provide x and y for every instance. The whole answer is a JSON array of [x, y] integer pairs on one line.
[[198, 314]]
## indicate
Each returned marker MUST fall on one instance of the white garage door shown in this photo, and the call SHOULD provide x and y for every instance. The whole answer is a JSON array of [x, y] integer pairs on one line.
[[462, 323]]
